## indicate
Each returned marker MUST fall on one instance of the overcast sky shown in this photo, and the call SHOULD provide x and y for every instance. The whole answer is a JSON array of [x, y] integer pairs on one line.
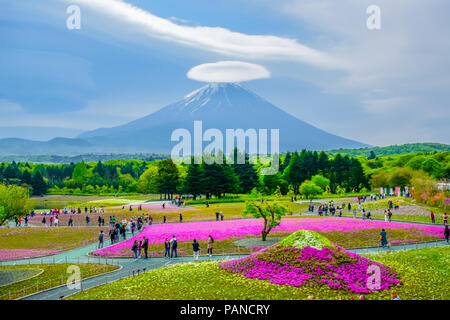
[[316, 59]]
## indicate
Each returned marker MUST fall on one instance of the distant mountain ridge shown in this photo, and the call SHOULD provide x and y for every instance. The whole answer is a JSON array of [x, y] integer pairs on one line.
[[395, 149], [218, 105]]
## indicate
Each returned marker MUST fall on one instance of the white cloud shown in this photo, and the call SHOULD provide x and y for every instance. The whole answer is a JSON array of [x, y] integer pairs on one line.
[[214, 39], [228, 71], [9, 107]]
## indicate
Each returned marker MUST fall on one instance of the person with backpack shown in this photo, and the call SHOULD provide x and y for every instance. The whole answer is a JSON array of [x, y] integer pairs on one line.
[[196, 249], [210, 245], [383, 238], [134, 248], [145, 247], [174, 245], [167, 248]]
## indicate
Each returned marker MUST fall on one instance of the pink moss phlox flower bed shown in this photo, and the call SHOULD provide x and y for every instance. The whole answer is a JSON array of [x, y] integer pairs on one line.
[[15, 254], [243, 227], [333, 267]]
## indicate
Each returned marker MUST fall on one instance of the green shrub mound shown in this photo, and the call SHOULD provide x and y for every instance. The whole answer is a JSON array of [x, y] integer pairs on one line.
[[304, 238]]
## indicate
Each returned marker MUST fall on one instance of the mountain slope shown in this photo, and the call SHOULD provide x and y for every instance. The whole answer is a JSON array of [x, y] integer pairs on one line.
[[221, 106]]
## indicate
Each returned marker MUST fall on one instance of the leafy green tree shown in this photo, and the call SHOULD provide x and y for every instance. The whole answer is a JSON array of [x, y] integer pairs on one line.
[[168, 178], [39, 185], [14, 202], [432, 167], [195, 180], [310, 189], [271, 212], [320, 181]]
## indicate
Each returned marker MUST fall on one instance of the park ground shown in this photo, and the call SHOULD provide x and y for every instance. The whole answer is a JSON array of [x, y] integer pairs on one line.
[[422, 269]]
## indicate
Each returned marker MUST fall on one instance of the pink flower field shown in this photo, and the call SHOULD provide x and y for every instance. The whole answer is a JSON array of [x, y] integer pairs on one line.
[[15, 254], [243, 227]]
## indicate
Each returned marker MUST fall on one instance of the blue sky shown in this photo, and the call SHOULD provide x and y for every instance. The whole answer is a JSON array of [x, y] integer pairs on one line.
[[379, 87]]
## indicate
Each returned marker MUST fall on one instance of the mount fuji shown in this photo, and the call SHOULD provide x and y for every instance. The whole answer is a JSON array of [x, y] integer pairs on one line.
[[218, 105], [221, 106]]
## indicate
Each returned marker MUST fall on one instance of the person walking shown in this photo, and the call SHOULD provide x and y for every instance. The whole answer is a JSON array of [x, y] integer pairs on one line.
[[445, 217], [446, 233], [196, 249], [385, 216], [56, 222], [210, 245], [100, 239], [221, 215], [70, 221], [174, 245], [389, 215], [99, 221], [134, 248], [87, 220], [167, 248], [181, 218], [145, 247], [383, 238], [164, 219], [432, 217]]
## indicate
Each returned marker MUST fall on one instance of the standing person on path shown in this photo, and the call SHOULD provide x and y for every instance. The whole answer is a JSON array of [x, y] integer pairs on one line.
[[432, 217], [100, 239], [389, 215], [70, 221], [221, 215], [445, 217], [174, 245], [181, 218], [56, 221], [383, 238], [446, 233], [145, 247], [217, 215], [51, 221], [167, 248], [210, 245], [196, 249], [134, 248], [43, 221], [140, 249], [87, 220], [164, 219], [112, 235], [99, 221]]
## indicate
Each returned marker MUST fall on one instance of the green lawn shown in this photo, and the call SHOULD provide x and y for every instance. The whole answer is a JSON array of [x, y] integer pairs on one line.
[[47, 238], [53, 275], [423, 272]]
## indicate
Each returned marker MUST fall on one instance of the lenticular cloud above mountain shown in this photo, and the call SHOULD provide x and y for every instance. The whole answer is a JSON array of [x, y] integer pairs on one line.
[[228, 72]]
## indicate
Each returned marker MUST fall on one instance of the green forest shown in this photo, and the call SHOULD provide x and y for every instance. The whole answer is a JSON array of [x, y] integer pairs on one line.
[[308, 173]]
